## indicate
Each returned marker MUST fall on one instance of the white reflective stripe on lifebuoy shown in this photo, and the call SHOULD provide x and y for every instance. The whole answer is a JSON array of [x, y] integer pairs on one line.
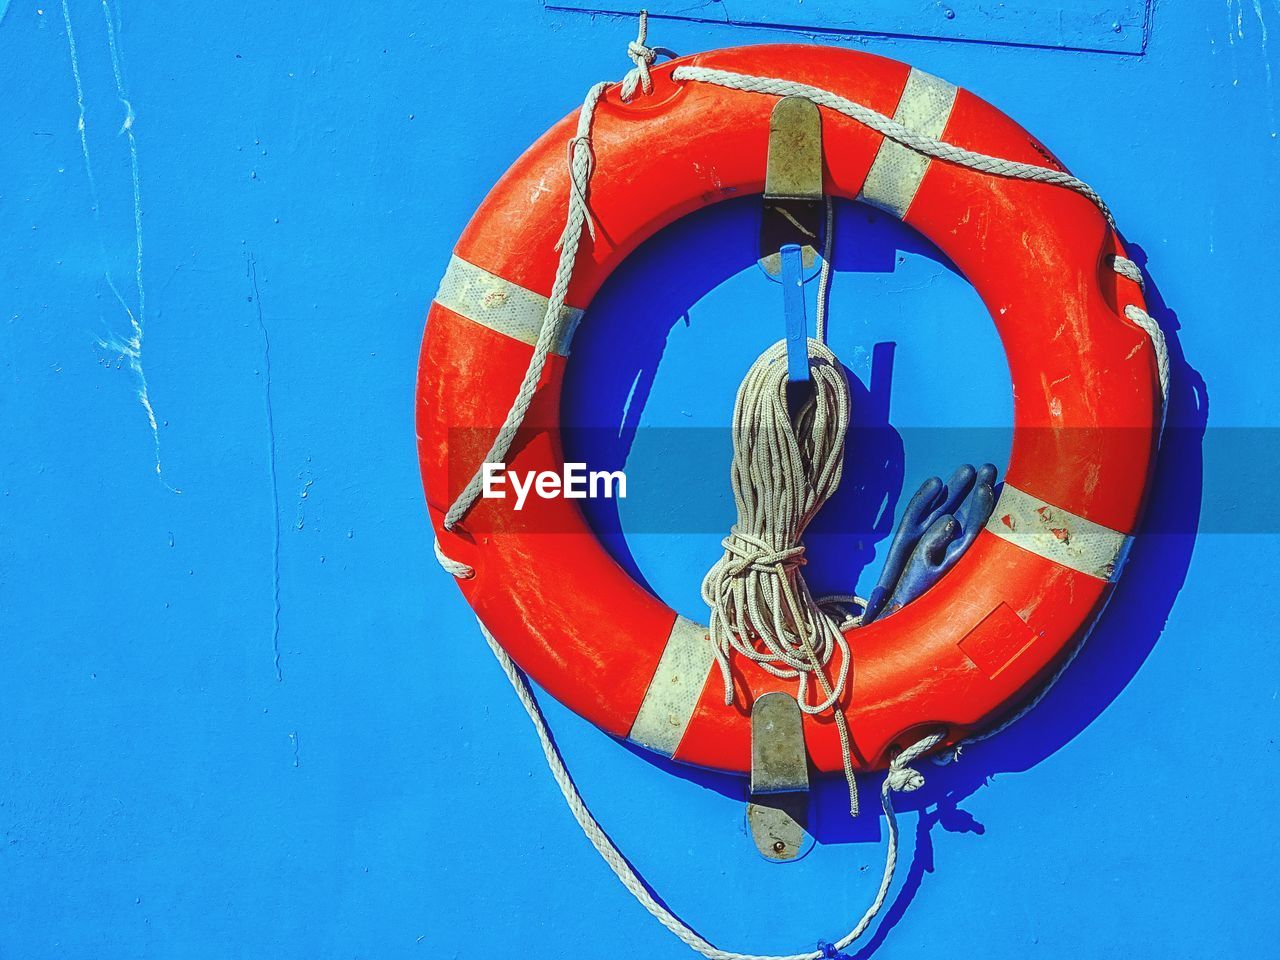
[[896, 172], [501, 305], [675, 688], [1057, 534]]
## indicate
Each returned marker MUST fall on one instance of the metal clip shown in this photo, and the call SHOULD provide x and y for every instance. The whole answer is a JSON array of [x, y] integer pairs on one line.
[[794, 165], [793, 208], [778, 808]]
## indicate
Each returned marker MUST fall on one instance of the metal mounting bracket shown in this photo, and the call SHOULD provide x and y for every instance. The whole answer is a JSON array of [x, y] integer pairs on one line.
[[793, 197], [778, 806]]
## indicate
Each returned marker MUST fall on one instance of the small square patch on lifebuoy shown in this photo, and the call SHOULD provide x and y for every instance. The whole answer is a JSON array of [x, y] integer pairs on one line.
[[997, 641]]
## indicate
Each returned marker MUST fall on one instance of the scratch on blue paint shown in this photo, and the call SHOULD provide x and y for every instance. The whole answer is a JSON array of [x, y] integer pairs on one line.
[[251, 270], [1266, 63], [129, 347], [626, 407], [1236, 21], [307, 483]]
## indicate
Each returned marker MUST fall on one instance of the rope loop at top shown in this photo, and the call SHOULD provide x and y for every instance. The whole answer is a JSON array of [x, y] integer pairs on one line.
[[642, 56]]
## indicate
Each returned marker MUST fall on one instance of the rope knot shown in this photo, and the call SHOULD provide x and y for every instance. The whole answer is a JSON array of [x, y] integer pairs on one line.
[[901, 776], [828, 951], [758, 556], [643, 57], [904, 779]]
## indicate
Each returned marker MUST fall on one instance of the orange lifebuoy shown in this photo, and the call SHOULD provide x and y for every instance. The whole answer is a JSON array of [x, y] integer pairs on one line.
[[1087, 411]]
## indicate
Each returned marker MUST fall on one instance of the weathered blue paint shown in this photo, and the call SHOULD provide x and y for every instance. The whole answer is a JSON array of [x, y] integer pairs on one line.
[[253, 719]]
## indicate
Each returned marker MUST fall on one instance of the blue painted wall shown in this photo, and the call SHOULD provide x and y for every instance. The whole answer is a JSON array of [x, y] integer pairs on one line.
[[243, 713]]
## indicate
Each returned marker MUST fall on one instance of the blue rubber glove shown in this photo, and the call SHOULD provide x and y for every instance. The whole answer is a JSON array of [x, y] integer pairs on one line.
[[939, 524]]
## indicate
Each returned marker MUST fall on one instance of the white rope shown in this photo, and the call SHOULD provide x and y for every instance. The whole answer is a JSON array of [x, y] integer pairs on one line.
[[824, 275], [893, 130], [455, 567], [581, 164], [1130, 271], [1153, 331], [782, 473], [899, 778]]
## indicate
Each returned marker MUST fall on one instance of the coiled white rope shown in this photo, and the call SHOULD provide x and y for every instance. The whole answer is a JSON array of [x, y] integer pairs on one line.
[[787, 592], [782, 473]]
